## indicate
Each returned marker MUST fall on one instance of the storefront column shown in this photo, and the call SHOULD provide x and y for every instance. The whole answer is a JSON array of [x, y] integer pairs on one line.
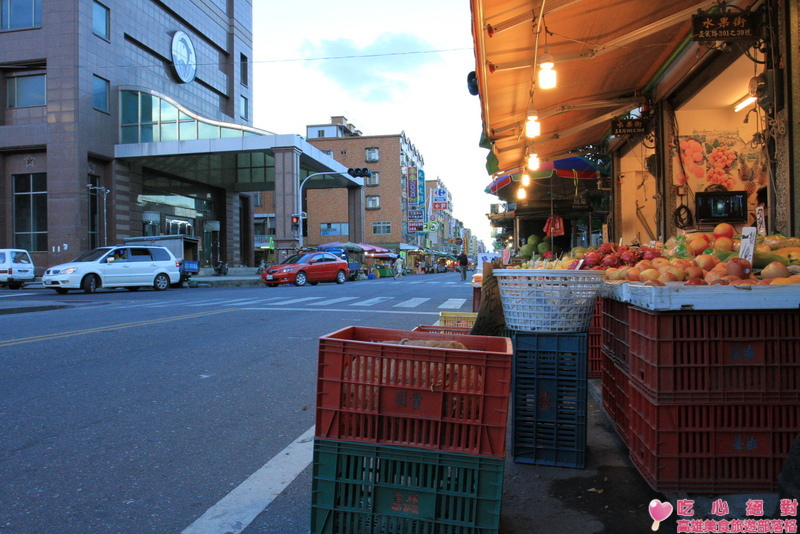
[[355, 214], [287, 182]]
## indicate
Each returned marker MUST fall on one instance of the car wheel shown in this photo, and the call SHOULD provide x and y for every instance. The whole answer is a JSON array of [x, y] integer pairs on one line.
[[300, 279], [341, 278], [62, 290], [14, 286], [134, 288], [89, 283], [161, 282]]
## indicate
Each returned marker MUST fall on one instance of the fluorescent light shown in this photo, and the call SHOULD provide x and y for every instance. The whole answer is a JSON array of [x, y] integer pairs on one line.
[[743, 103]]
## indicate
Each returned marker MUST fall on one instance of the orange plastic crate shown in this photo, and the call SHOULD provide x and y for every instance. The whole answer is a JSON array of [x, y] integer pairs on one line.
[[435, 329], [372, 391], [734, 448], [716, 356]]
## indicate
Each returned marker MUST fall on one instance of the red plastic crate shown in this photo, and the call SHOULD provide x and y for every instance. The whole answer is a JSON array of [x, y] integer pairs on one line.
[[597, 319], [595, 368], [716, 356], [615, 396], [731, 448], [450, 400], [615, 325]]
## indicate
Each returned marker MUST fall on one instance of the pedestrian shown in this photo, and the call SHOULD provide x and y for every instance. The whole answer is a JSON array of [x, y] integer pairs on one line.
[[398, 268], [463, 263]]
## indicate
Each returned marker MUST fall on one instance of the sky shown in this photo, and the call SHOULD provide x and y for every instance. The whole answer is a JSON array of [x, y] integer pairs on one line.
[[388, 67]]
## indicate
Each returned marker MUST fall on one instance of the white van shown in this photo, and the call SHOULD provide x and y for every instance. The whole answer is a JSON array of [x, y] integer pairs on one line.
[[16, 268], [125, 266]]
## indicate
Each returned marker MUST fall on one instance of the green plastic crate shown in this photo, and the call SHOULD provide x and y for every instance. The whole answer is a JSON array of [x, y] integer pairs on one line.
[[381, 489]]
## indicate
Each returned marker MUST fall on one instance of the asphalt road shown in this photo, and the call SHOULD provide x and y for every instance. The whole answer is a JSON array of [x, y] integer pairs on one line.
[[139, 412]]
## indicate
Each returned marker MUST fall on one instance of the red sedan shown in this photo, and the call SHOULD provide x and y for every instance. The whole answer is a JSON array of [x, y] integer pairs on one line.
[[310, 267]]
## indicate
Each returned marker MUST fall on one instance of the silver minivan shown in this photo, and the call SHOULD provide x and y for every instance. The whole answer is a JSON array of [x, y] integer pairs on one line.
[[16, 268], [125, 266]]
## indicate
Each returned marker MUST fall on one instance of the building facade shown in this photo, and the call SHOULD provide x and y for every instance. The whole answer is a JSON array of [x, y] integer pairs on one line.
[[125, 119], [389, 202]]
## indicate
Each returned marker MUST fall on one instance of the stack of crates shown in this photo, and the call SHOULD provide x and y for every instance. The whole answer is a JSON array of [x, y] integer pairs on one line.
[[549, 399], [615, 326], [714, 397], [595, 336], [410, 438]]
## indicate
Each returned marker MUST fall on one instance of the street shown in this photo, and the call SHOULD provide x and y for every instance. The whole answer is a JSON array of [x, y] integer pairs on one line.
[[139, 412]]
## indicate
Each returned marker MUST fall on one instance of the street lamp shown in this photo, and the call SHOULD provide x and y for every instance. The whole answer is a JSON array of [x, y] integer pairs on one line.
[[301, 214], [105, 192]]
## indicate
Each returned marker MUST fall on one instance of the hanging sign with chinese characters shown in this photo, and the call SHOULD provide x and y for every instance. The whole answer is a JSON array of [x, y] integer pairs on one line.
[[412, 185], [628, 126], [725, 26], [420, 187]]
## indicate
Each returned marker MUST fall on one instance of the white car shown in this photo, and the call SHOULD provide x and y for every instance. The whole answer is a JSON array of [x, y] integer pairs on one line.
[[125, 266], [16, 268]]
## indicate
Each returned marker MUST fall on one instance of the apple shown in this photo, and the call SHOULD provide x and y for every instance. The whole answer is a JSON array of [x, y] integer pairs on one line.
[[765, 282], [696, 282], [677, 272], [693, 271], [697, 246], [643, 264], [667, 277], [720, 282], [648, 274], [775, 270], [706, 261], [612, 273], [633, 274], [713, 276], [654, 282], [724, 230], [624, 271], [739, 267], [731, 279], [723, 243], [747, 282], [660, 262]]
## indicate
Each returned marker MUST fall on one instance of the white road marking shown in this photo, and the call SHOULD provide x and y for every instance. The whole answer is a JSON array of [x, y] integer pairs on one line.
[[343, 310], [331, 301], [293, 301], [452, 304], [234, 512], [371, 302], [411, 303], [18, 294]]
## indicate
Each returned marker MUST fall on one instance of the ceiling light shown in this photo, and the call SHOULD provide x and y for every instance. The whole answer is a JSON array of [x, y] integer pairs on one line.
[[743, 103], [521, 194], [525, 180], [547, 76], [533, 128], [533, 162]]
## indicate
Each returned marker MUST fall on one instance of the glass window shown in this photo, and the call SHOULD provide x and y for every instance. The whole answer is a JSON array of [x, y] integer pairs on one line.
[[372, 154], [373, 202], [334, 229], [243, 107], [381, 227], [26, 91], [101, 90], [374, 179], [243, 72], [100, 20], [20, 14], [188, 130], [30, 211], [129, 107]]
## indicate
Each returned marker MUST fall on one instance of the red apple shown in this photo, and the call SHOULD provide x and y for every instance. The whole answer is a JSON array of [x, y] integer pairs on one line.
[[644, 264], [677, 272], [667, 277], [724, 230], [654, 282], [775, 270], [723, 243], [633, 274], [713, 276], [706, 261], [611, 273], [739, 267], [696, 282], [693, 271], [660, 262], [648, 274]]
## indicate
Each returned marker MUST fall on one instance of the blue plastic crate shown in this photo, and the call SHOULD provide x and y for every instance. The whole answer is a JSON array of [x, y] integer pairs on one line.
[[382, 489], [549, 399]]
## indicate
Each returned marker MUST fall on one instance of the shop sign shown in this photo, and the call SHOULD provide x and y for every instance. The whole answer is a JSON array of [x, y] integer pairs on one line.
[[414, 226], [412, 184], [724, 26], [439, 205], [416, 215], [627, 126], [420, 187]]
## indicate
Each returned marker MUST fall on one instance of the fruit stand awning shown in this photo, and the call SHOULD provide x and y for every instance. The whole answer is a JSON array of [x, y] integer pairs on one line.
[[605, 53], [553, 172]]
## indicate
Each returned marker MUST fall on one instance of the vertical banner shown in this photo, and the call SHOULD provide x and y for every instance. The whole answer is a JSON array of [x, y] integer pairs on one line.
[[420, 187], [412, 186]]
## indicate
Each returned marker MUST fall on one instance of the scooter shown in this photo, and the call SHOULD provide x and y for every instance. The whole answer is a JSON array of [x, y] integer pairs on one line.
[[221, 269]]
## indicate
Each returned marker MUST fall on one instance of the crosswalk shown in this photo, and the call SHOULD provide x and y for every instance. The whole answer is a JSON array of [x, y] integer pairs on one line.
[[384, 302]]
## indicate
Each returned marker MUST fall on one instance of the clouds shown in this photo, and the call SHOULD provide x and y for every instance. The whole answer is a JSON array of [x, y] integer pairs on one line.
[[375, 72]]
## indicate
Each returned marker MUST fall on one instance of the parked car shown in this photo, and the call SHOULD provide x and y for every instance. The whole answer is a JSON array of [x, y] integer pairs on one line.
[[309, 267], [125, 266], [16, 268]]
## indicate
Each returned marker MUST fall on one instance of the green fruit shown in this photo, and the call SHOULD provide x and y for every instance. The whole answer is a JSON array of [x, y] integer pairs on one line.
[[543, 247], [576, 250], [526, 251], [762, 259], [534, 239]]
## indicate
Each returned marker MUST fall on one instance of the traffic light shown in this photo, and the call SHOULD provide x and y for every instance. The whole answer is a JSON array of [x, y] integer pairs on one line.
[[295, 222], [359, 173]]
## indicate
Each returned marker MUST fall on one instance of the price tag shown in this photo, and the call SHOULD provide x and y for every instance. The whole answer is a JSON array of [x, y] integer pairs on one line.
[[748, 244], [760, 222]]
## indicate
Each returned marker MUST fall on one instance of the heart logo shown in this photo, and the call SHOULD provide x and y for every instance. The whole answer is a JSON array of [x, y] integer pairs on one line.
[[659, 511]]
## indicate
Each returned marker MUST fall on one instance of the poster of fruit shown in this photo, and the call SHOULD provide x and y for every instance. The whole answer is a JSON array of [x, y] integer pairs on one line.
[[719, 161]]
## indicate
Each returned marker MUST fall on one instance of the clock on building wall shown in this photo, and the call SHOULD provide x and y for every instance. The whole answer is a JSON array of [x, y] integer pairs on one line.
[[184, 57]]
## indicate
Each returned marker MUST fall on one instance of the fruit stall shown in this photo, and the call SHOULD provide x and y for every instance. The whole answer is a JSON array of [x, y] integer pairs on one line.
[[698, 353]]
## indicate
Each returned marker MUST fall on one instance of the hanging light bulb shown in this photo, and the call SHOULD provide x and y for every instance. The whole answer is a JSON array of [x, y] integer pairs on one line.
[[533, 162], [525, 180], [547, 76], [532, 127], [521, 194]]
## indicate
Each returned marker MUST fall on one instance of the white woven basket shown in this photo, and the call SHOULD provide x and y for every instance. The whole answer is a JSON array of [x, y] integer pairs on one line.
[[548, 300]]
